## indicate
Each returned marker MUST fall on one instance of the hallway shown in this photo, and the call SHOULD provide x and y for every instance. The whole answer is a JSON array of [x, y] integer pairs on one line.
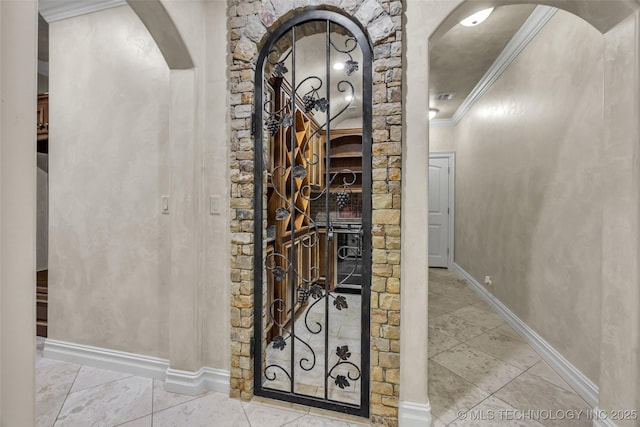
[[480, 367]]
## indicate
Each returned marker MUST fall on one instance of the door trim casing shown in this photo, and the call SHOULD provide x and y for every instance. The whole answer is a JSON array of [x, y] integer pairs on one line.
[[451, 157]]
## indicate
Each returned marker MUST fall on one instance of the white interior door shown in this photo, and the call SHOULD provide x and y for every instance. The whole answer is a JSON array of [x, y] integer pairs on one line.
[[438, 211]]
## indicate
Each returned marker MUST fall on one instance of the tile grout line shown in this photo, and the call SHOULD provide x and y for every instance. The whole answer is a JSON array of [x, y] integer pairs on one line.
[[244, 411], [153, 391], [67, 396], [98, 385]]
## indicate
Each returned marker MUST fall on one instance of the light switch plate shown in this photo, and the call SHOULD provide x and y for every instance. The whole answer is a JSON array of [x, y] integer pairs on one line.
[[214, 205]]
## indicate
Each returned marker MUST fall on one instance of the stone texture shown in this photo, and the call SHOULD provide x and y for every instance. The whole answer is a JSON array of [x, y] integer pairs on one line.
[[255, 29]]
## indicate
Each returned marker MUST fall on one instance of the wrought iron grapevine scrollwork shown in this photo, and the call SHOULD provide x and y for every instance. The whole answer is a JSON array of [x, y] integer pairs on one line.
[[315, 98]]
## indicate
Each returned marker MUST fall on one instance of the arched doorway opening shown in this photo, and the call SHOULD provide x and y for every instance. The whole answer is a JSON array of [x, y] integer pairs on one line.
[[587, 124]]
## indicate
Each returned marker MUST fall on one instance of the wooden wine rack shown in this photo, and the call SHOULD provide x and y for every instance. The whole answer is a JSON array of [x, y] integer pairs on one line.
[[295, 159]]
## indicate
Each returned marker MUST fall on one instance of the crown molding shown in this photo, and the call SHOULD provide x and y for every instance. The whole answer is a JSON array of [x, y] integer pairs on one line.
[[527, 32], [56, 10]]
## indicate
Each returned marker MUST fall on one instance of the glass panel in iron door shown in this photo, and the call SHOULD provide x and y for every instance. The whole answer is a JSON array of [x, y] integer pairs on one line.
[[315, 252]]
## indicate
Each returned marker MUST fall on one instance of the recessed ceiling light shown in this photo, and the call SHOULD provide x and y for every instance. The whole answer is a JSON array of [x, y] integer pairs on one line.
[[338, 66], [433, 112], [476, 18]]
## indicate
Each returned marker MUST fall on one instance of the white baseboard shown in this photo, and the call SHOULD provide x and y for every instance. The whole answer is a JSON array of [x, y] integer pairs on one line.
[[194, 383], [184, 382], [576, 379], [130, 363], [414, 414], [600, 422]]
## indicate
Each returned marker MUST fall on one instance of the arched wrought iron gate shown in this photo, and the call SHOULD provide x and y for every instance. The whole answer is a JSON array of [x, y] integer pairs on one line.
[[313, 213]]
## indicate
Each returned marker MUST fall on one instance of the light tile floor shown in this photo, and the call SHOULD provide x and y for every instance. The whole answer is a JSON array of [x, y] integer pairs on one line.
[[477, 364], [480, 367]]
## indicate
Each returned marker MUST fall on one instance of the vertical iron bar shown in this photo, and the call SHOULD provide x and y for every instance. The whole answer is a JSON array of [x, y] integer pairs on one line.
[[327, 181], [292, 184]]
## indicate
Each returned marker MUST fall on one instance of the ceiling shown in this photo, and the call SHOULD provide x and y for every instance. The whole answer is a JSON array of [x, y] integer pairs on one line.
[[460, 58]]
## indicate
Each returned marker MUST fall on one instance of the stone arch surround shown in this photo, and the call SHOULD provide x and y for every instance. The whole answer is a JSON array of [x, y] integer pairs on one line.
[[250, 25]]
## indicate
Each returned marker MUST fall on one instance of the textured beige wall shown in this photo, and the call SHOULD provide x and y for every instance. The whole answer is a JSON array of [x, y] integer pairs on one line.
[[109, 109], [216, 182], [620, 350], [142, 282], [415, 154], [18, 28], [442, 139], [529, 188]]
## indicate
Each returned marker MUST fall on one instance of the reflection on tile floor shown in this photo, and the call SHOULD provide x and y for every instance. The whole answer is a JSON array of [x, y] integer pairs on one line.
[[479, 366], [70, 395], [476, 362], [309, 352]]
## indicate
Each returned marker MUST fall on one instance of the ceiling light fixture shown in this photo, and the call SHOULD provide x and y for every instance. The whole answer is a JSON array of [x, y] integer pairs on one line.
[[476, 18], [433, 112], [338, 66]]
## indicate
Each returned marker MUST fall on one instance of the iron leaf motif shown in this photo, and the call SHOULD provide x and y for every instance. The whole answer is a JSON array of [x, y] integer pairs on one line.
[[299, 172], [279, 343], [281, 214], [340, 302], [279, 273], [351, 67], [280, 69], [322, 104], [342, 382], [316, 291], [343, 352], [287, 120]]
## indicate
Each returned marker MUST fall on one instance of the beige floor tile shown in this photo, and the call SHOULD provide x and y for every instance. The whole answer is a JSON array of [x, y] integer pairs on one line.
[[139, 422], [108, 404], [446, 303], [450, 393], [530, 392], [163, 399], [507, 330], [435, 422], [542, 370], [492, 412], [439, 342], [477, 367], [480, 315], [47, 409], [318, 421], [269, 416], [456, 327], [202, 411], [90, 377], [505, 348], [435, 312], [55, 380]]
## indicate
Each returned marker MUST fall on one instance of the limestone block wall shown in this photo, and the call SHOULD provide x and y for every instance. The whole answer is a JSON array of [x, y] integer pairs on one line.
[[250, 23]]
